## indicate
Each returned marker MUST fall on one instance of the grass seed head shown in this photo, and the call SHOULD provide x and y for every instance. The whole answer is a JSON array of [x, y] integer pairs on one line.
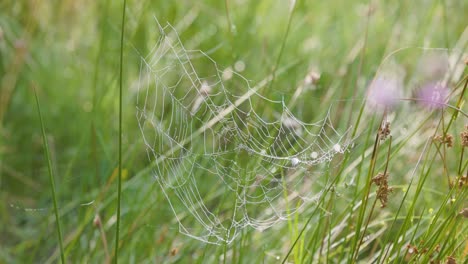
[[312, 78], [384, 190], [451, 260], [463, 181], [384, 131], [464, 137], [464, 212], [445, 139], [412, 250], [97, 221], [174, 251]]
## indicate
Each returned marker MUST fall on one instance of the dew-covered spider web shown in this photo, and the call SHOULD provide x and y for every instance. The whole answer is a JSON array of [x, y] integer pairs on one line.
[[226, 157]]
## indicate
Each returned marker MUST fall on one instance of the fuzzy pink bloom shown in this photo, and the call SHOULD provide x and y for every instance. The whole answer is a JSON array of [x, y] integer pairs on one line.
[[433, 95], [384, 92]]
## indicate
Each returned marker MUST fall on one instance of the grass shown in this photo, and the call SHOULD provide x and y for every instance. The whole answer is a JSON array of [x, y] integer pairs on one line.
[[72, 52], [51, 178], [119, 185]]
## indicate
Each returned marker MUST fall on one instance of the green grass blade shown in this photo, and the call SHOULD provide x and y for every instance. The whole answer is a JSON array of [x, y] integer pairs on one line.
[[51, 177], [119, 190]]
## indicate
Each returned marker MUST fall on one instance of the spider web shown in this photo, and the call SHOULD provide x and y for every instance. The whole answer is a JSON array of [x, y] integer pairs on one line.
[[225, 156]]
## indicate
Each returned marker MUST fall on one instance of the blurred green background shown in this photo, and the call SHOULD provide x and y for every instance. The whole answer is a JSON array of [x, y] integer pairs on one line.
[[69, 51]]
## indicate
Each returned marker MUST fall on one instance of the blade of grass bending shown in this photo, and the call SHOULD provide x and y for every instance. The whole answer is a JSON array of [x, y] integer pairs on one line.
[[51, 177], [119, 190]]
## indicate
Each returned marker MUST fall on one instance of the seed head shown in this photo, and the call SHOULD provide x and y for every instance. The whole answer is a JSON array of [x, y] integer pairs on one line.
[[384, 190], [384, 131], [463, 181], [451, 260], [445, 139], [464, 137], [412, 249], [464, 212], [312, 78], [174, 251], [97, 221]]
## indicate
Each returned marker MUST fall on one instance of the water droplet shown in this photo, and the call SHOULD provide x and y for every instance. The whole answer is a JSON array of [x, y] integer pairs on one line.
[[233, 29], [314, 155], [337, 147], [227, 73], [294, 161], [239, 66]]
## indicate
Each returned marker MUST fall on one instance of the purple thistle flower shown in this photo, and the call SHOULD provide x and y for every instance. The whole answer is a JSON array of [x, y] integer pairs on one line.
[[384, 92], [433, 95]]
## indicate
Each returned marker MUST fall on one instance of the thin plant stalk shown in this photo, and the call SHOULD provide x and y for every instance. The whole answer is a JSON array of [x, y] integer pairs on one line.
[[119, 188], [228, 18], [375, 201], [51, 177], [281, 51], [364, 201]]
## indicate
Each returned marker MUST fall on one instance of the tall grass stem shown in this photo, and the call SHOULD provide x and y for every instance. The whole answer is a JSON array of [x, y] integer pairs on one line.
[[119, 188], [51, 177]]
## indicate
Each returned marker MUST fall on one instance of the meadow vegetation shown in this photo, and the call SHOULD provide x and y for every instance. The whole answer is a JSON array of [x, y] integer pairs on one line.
[[388, 77]]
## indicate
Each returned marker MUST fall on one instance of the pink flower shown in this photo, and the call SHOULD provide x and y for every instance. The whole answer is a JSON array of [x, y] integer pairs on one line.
[[434, 95], [384, 92]]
